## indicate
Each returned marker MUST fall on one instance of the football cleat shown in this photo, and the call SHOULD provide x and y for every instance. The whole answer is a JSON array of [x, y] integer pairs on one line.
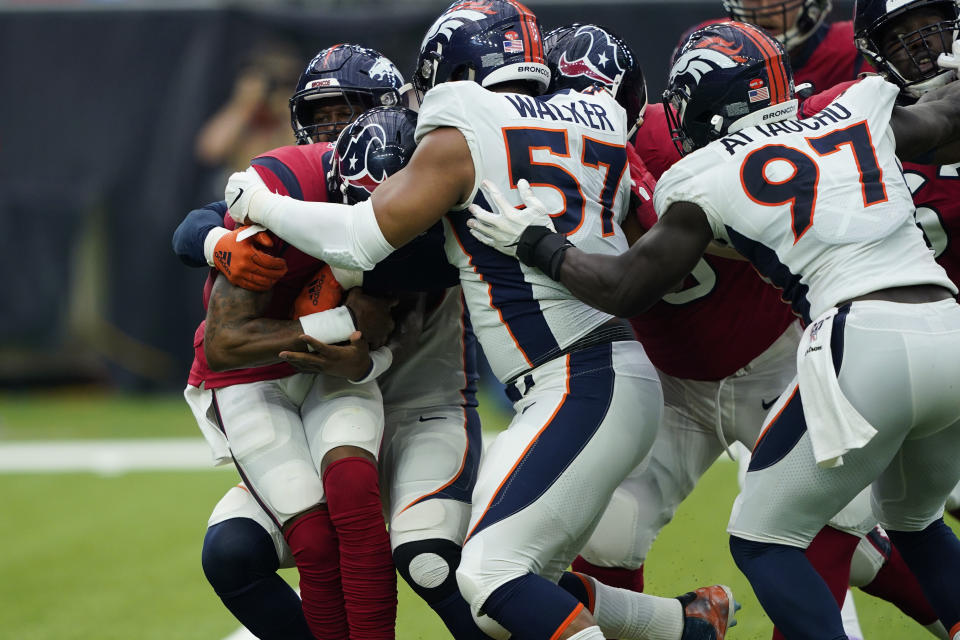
[[708, 613]]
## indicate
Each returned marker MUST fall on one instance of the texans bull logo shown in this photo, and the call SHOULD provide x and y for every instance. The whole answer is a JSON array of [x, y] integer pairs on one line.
[[355, 162], [607, 67]]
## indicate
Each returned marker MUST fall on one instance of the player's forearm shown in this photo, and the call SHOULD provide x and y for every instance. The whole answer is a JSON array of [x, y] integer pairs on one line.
[[237, 336], [250, 342], [341, 235], [603, 282]]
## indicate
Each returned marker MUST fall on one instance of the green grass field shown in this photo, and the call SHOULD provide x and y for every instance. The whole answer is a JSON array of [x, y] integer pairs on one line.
[[91, 557]]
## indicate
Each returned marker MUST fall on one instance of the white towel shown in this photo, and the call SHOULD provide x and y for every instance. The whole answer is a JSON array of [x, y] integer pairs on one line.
[[835, 426]]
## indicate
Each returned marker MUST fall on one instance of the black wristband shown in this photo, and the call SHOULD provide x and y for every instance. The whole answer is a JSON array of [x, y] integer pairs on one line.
[[544, 249]]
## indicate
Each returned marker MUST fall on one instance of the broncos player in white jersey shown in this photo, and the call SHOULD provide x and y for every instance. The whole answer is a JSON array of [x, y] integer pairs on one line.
[[821, 208], [587, 399]]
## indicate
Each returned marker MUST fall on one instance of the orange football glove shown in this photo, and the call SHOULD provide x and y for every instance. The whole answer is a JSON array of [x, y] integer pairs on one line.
[[321, 292], [245, 263]]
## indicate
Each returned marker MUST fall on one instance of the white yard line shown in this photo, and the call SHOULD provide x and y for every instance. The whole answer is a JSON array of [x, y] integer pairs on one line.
[[111, 457], [105, 456]]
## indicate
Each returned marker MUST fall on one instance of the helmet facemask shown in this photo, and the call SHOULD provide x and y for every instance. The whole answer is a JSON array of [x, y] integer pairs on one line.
[[905, 44], [777, 17]]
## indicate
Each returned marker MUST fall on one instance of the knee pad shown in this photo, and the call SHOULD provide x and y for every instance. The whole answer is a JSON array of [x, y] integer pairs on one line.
[[430, 519], [236, 554], [349, 425], [622, 538], [429, 567]]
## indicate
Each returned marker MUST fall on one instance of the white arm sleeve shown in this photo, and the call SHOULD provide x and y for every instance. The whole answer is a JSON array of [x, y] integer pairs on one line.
[[341, 235]]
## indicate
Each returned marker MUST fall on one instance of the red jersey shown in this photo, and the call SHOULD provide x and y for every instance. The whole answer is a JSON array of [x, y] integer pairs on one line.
[[936, 195], [295, 171], [828, 57], [690, 333]]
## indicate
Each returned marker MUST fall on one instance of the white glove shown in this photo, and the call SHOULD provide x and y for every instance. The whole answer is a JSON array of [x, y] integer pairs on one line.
[[242, 188], [502, 230], [950, 60]]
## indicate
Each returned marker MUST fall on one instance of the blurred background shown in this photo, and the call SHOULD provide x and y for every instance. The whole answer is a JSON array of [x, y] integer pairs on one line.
[[118, 117]]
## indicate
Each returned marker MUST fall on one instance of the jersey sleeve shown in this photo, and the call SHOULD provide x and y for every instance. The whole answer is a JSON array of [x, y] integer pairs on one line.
[[687, 182], [298, 171], [443, 106], [190, 234]]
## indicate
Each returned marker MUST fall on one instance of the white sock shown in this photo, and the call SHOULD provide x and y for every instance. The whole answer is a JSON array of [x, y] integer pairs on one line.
[[848, 613], [590, 633], [629, 615]]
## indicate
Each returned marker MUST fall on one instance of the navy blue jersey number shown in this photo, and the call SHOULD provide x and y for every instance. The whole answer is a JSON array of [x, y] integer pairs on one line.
[[611, 158]]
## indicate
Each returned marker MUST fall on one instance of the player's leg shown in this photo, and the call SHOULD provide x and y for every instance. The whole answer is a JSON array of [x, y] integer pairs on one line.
[[788, 494], [786, 501], [262, 423], [582, 424], [343, 423], [242, 551], [648, 498], [429, 464], [878, 568]]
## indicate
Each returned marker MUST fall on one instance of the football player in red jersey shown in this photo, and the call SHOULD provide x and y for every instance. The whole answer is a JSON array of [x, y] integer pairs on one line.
[[331, 92], [428, 497]]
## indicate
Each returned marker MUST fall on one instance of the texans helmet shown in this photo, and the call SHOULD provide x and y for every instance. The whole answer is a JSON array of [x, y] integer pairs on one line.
[[370, 149], [903, 38], [585, 55], [360, 77], [486, 41], [727, 76], [810, 14]]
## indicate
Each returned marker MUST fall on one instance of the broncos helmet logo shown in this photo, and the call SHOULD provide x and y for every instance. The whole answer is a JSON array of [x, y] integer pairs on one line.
[[455, 17], [355, 161], [697, 63], [605, 54]]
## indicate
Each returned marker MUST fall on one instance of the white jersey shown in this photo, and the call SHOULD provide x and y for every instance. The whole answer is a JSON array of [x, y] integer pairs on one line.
[[570, 147], [818, 205], [442, 369]]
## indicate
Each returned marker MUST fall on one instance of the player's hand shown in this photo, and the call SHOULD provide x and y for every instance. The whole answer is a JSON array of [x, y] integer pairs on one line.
[[372, 316], [950, 60], [351, 361], [242, 188], [320, 293], [502, 230], [245, 262]]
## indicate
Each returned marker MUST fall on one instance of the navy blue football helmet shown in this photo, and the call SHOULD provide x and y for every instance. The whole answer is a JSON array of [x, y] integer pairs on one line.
[[486, 41], [370, 149], [360, 77], [777, 16], [585, 55], [727, 76], [902, 40]]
